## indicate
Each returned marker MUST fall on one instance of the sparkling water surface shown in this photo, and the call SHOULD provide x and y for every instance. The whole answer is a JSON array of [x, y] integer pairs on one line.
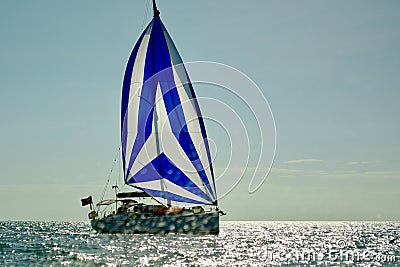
[[238, 244]]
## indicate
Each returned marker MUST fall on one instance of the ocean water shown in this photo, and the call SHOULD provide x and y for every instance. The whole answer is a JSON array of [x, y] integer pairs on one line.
[[238, 244]]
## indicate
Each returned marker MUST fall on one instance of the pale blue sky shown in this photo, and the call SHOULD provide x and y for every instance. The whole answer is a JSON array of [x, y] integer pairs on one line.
[[329, 69]]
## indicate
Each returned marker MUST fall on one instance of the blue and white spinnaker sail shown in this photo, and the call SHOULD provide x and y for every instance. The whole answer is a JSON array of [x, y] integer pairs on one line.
[[164, 143]]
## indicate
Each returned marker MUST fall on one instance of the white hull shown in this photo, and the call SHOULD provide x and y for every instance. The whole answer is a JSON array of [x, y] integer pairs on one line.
[[201, 223]]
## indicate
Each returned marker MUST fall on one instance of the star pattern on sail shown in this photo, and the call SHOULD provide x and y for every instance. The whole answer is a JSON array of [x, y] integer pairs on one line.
[[164, 142]]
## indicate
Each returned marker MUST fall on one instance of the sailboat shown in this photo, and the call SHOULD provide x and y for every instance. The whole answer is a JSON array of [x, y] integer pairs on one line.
[[165, 152]]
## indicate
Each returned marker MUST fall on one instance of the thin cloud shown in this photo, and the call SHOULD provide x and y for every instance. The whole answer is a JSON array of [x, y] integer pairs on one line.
[[303, 161], [281, 170], [359, 163], [366, 174]]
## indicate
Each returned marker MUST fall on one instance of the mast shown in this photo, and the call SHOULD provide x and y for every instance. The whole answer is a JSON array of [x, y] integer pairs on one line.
[[156, 122], [156, 12]]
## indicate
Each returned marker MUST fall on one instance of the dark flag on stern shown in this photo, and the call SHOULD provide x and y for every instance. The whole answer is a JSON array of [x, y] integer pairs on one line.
[[86, 201]]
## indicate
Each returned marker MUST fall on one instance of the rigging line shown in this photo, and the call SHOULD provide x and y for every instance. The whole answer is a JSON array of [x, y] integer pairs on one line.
[[109, 177], [119, 167], [146, 13]]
